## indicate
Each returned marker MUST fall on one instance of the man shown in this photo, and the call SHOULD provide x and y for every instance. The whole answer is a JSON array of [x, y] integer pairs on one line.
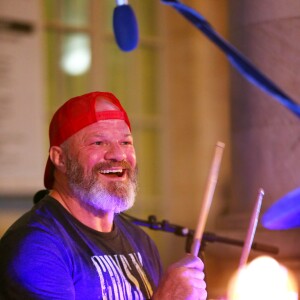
[[73, 244]]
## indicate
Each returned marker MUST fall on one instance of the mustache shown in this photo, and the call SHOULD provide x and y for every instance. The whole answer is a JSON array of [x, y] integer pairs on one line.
[[110, 164]]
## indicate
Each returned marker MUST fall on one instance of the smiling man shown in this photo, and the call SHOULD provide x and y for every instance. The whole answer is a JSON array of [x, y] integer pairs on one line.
[[73, 244]]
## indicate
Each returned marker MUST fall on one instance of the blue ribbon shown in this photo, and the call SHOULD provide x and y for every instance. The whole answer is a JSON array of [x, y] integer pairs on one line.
[[243, 65]]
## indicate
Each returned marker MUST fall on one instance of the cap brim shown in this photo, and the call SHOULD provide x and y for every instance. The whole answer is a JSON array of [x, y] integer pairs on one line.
[[48, 175]]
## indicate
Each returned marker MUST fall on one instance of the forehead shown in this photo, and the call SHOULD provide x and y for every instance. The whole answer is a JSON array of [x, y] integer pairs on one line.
[[106, 128]]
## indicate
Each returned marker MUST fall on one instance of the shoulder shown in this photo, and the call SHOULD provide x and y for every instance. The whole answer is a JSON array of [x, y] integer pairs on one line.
[[39, 226], [40, 217], [33, 244], [33, 256]]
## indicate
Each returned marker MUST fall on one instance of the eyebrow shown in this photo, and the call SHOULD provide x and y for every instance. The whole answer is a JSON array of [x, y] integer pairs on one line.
[[100, 135]]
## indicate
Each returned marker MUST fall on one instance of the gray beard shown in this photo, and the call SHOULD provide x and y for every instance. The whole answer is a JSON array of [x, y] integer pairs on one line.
[[97, 197]]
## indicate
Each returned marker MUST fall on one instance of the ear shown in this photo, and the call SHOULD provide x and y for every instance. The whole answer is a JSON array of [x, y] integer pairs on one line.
[[57, 157]]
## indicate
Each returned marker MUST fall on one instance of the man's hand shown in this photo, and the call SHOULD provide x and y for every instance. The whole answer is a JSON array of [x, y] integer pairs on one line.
[[183, 280]]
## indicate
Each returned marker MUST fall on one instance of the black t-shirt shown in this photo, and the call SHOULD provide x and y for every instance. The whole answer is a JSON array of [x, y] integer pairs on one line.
[[48, 254]]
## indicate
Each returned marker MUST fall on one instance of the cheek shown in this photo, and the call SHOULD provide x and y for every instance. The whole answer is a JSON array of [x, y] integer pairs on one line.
[[89, 160], [131, 158]]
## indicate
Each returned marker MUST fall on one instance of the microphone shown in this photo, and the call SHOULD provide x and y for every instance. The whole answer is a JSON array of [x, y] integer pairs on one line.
[[125, 26]]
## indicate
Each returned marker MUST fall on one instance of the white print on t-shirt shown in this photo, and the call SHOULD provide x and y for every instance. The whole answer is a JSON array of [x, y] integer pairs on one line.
[[121, 276]]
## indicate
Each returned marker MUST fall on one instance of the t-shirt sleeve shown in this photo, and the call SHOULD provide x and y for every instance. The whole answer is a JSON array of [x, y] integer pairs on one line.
[[34, 266]]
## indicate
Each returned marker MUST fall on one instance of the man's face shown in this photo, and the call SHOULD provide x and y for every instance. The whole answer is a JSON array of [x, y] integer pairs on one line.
[[101, 166]]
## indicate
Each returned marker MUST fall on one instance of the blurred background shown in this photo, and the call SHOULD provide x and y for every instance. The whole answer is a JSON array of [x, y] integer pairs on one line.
[[182, 97]]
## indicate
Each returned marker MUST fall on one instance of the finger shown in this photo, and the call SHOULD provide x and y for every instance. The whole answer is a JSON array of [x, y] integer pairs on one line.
[[190, 261], [190, 277], [197, 283], [203, 295], [194, 274], [199, 294]]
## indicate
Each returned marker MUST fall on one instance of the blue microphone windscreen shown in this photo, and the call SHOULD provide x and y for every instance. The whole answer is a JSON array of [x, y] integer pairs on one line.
[[125, 27]]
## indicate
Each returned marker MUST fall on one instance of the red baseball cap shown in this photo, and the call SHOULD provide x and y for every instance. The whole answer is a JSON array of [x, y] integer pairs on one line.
[[74, 115]]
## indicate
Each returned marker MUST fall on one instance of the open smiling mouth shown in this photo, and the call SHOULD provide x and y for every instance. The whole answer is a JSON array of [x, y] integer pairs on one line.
[[113, 173]]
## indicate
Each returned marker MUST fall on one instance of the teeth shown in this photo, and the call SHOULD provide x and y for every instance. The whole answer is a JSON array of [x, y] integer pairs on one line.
[[110, 171]]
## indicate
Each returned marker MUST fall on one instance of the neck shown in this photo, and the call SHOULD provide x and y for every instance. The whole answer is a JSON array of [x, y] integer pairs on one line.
[[100, 221]]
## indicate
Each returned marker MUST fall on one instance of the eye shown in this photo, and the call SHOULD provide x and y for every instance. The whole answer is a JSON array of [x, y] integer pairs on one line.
[[98, 143], [126, 143]]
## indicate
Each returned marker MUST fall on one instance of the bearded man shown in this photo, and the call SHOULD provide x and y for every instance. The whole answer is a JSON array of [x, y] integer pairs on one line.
[[74, 244]]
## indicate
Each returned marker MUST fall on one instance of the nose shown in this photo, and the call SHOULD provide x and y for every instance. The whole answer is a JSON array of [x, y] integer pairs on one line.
[[115, 152]]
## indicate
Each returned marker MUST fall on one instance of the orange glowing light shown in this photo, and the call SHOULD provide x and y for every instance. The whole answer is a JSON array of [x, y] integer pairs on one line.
[[263, 279]]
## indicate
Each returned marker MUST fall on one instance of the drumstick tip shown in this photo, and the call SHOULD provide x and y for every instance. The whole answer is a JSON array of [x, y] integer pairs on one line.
[[261, 191], [221, 144]]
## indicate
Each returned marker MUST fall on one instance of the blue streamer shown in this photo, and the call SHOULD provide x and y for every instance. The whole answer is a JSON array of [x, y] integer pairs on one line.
[[251, 73]]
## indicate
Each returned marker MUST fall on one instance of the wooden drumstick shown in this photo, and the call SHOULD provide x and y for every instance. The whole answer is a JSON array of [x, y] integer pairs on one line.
[[208, 195], [251, 229]]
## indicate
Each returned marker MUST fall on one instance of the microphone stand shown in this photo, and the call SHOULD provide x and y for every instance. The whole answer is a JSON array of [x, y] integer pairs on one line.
[[166, 226]]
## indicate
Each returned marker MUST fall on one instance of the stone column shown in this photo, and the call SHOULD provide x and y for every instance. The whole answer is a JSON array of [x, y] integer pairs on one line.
[[265, 135]]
